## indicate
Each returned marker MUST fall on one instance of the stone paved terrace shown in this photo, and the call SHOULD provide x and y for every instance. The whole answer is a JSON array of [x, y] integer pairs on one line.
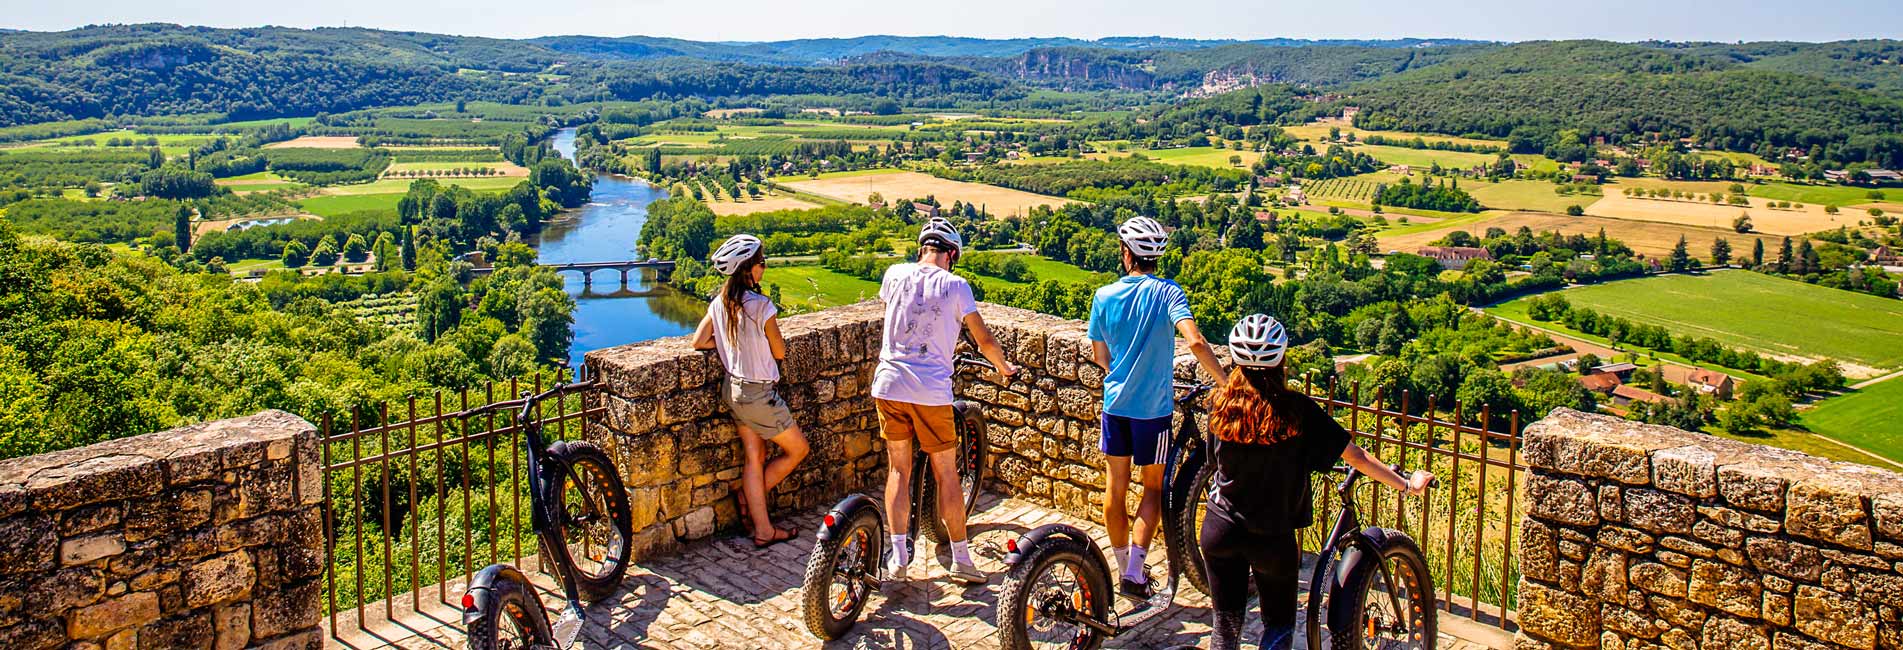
[[721, 593]]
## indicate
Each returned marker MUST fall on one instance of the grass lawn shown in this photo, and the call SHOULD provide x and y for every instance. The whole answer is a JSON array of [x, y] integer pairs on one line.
[[330, 206], [1049, 269], [1423, 157], [1759, 312], [1318, 132], [1525, 195], [245, 266], [1837, 195], [1871, 419], [850, 174], [1802, 441], [400, 186], [813, 287], [1202, 157], [1515, 311]]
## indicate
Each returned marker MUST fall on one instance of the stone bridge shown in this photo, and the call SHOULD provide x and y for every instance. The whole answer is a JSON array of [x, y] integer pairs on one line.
[[1634, 537], [587, 269]]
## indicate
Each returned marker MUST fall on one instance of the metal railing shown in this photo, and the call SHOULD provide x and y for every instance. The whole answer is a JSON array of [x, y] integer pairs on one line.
[[1465, 527], [428, 494]]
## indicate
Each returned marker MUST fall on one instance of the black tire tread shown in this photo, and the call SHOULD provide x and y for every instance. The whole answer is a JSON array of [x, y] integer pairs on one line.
[[483, 633], [1345, 605], [576, 453], [814, 610], [1012, 600]]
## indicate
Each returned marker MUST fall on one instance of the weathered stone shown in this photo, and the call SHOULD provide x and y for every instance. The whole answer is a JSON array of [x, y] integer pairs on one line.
[[1626, 621], [1557, 616], [1725, 587], [1659, 512], [1828, 511], [1722, 633], [1674, 559], [1573, 550], [1787, 640], [1625, 539], [191, 630], [32, 634], [1604, 576], [220, 579], [1539, 557], [1677, 612], [307, 640], [163, 513], [113, 615], [86, 549], [89, 519], [1691, 471], [1659, 579], [1611, 503], [1880, 588], [1887, 510], [1566, 501], [1777, 609], [1687, 546], [1834, 618], [1714, 533], [60, 591], [1679, 639], [1777, 584], [1751, 487], [232, 626], [291, 609]]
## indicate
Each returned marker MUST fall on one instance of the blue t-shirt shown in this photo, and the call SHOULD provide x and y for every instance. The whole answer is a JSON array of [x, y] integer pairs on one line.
[[1136, 317]]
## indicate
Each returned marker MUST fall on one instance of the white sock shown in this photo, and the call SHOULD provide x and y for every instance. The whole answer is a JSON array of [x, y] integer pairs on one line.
[[1122, 553], [961, 553], [901, 551], [1134, 570]]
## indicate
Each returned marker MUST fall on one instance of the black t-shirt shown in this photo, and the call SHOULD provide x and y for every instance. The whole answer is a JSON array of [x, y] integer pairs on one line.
[[1266, 487]]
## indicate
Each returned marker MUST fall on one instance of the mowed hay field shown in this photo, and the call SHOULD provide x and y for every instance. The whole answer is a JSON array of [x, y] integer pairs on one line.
[[894, 185], [1217, 157], [1785, 318], [1653, 239], [1780, 221], [1525, 195], [1871, 418], [766, 203], [317, 142]]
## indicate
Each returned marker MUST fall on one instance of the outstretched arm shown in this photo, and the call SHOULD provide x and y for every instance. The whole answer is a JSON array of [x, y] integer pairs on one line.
[[704, 334], [988, 345], [774, 341], [1359, 459], [1100, 353], [1199, 346]]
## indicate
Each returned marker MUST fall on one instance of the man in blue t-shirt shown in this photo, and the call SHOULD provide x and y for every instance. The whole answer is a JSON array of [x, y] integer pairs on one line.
[[1133, 326]]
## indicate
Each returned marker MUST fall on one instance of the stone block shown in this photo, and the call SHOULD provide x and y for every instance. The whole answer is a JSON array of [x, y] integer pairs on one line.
[[1788, 640], [126, 611], [32, 634], [1752, 487], [220, 579], [1739, 519], [83, 550], [28, 543], [291, 609], [1691, 471], [1777, 609], [1561, 500], [231, 626], [1611, 503], [1557, 616], [190, 630], [1604, 576], [1539, 556], [1796, 560], [1834, 618], [1628, 622], [1659, 512], [306, 640], [1828, 511], [89, 519], [1659, 579], [1728, 588], [1887, 510], [1677, 611], [1625, 539], [1723, 633], [163, 513]]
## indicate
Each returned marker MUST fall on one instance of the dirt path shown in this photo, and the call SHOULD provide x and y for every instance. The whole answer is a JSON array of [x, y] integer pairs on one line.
[[1875, 380], [1674, 372]]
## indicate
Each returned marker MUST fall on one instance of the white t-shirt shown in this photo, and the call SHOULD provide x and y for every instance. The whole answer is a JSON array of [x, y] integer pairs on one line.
[[746, 356], [925, 307]]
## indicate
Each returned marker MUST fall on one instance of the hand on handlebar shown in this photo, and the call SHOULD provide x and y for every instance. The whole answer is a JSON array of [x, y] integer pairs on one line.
[[1419, 481]]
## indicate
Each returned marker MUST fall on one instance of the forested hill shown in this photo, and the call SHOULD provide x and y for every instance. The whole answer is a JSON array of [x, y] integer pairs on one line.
[[1528, 92], [829, 50], [1867, 64]]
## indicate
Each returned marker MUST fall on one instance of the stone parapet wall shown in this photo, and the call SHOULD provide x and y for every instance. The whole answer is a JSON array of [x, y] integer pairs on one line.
[[673, 439], [205, 536], [1640, 537]]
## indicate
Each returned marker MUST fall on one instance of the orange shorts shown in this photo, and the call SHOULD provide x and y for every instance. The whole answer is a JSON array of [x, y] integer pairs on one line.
[[931, 425]]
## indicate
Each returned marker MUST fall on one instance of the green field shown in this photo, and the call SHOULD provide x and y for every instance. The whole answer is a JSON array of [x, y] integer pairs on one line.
[[1805, 442], [849, 174], [1837, 195], [446, 166], [1201, 157], [330, 206], [812, 287], [1049, 269], [1423, 157], [1525, 195], [1871, 418], [1755, 311]]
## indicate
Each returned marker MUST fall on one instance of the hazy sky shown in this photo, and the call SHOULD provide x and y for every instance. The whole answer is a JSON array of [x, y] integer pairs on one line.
[[1625, 20]]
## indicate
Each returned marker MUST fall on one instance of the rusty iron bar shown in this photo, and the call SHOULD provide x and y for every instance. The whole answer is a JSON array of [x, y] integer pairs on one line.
[[442, 541], [330, 529], [356, 498], [517, 453], [1453, 508], [428, 447], [1507, 540], [1480, 512], [1400, 517], [489, 418], [388, 565], [416, 526], [1427, 504], [469, 539]]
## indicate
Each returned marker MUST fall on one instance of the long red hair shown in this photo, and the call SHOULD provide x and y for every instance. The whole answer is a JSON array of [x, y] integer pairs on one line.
[[1246, 409]]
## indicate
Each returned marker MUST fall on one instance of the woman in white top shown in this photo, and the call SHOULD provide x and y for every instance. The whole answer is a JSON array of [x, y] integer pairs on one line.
[[742, 328]]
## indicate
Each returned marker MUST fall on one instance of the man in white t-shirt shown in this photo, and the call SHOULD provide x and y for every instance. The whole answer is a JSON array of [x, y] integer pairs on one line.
[[925, 307]]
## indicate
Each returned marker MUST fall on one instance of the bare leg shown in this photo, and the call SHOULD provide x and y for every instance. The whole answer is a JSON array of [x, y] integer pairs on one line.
[[898, 483], [1116, 517], [793, 450], [1150, 509], [951, 494], [752, 479]]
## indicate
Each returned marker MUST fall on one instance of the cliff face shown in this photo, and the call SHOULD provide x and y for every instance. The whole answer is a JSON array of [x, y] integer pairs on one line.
[[1080, 69]]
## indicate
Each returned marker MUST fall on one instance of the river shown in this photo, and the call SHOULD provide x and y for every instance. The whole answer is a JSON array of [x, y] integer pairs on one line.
[[606, 229]]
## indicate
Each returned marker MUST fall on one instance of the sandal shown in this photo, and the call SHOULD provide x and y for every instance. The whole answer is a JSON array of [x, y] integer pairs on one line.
[[779, 535], [740, 507]]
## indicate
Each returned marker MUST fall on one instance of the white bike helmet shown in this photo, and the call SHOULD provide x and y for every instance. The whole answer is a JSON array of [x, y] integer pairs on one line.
[[734, 252], [1258, 341], [940, 232], [1144, 236]]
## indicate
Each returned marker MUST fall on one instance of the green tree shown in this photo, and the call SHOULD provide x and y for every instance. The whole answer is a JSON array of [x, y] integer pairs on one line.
[[1681, 258], [296, 255], [1742, 224], [1757, 253], [547, 320], [1784, 256], [325, 254], [1720, 251], [354, 249], [182, 227], [409, 248], [439, 306]]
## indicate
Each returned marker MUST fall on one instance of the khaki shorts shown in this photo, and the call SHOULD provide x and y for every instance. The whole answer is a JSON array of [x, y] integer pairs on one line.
[[757, 405], [931, 425]]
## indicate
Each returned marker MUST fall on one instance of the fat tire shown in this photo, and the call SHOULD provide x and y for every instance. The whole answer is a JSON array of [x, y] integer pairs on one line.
[[1345, 604], [974, 451], [507, 594], [1014, 599], [816, 586], [1182, 535], [578, 454]]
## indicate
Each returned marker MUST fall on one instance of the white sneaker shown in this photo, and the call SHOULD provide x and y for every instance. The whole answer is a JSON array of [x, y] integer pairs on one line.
[[895, 572], [968, 573]]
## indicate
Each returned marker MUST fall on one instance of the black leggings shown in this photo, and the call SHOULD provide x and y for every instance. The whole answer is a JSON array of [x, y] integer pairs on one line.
[[1234, 554]]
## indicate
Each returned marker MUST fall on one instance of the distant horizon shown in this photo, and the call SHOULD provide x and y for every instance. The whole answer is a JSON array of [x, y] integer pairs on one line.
[[1205, 39], [755, 21]]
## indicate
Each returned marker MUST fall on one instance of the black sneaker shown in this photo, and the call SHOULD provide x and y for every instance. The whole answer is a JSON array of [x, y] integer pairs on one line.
[[1134, 590]]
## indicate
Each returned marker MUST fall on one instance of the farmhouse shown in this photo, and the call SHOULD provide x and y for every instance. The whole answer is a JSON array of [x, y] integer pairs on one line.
[[1886, 256], [1624, 394], [1621, 370], [1711, 382], [1602, 383], [926, 210], [1454, 257]]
